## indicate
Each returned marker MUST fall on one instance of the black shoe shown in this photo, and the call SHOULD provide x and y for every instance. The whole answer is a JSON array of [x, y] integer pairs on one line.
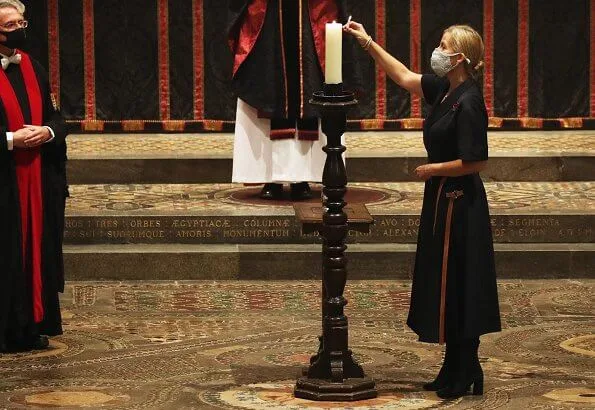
[[272, 191], [300, 191], [40, 343], [468, 374], [25, 345], [446, 373]]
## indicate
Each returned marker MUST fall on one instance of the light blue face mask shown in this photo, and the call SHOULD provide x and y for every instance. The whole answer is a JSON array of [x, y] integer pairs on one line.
[[440, 62]]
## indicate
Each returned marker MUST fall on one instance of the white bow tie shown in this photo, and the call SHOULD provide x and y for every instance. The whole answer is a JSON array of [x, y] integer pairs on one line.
[[14, 59]]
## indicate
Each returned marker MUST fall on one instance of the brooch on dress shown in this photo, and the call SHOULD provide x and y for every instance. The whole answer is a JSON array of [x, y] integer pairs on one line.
[[455, 106]]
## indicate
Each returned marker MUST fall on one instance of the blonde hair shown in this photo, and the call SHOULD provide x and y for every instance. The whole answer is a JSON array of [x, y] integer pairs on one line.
[[15, 4], [464, 39]]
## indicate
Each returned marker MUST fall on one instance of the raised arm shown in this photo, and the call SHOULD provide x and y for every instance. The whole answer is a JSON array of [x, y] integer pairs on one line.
[[396, 70]]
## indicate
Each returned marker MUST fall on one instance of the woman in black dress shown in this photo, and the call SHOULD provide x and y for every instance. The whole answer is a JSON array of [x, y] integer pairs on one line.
[[454, 297]]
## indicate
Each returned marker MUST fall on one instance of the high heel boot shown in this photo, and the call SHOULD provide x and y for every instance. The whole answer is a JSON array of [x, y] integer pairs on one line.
[[446, 371], [469, 372]]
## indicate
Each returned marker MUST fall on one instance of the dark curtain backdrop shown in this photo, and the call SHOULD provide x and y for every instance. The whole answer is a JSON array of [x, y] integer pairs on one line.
[[159, 65]]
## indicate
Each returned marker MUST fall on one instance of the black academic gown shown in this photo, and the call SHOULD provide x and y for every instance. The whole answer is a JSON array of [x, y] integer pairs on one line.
[[272, 77], [455, 129], [16, 313]]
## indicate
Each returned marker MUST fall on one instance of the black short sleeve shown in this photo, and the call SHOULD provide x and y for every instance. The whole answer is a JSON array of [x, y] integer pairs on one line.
[[432, 86], [472, 130], [3, 141]]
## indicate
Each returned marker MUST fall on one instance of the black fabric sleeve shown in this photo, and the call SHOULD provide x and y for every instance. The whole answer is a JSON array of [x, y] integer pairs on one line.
[[472, 130], [431, 86], [51, 115], [235, 12], [3, 141], [54, 120]]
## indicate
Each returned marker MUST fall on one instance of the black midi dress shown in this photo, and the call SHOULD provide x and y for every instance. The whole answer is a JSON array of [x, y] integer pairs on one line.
[[454, 294]]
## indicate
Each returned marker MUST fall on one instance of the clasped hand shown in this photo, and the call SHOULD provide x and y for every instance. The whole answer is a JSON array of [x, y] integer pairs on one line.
[[30, 136]]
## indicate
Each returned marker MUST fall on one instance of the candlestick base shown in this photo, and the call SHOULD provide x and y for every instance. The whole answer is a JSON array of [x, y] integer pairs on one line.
[[332, 89], [325, 390], [333, 98]]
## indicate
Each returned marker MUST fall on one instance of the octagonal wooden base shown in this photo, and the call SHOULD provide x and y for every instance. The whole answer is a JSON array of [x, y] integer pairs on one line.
[[324, 390]]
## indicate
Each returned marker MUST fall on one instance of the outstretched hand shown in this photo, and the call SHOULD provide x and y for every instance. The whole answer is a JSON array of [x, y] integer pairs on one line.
[[358, 31]]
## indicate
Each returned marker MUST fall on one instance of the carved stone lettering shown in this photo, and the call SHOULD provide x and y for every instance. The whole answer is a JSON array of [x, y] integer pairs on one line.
[[140, 234], [256, 233], [266, 223], [204, 233], [506, 228]]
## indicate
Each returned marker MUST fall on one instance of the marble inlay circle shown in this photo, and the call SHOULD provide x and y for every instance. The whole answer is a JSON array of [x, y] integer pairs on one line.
[[573, 395], [298, 355], [584, 345], [250, 195], [56, 348], [303, 358], [279, 396], [83, 398]]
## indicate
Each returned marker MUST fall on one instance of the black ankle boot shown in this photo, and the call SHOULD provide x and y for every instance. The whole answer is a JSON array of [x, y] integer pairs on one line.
[[272, 191], [446, 371], [469, 373]]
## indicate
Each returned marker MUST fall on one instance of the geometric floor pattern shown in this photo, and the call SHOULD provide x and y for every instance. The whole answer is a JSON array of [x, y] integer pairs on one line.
[[396, 197], [241, 345], [377, 144]]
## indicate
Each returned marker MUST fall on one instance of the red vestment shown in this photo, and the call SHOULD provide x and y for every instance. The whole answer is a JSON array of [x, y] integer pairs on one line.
[[28, 171]]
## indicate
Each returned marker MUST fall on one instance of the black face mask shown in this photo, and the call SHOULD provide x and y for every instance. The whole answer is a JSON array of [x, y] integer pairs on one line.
[[15, 39]]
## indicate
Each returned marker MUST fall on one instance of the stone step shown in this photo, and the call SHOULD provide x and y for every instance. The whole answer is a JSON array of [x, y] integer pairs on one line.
[[371, 157], [522, 212], [293, 262]]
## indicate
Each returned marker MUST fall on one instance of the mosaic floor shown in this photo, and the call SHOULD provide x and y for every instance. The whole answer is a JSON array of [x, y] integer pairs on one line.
[[377, 144], [241, 345], [385, 198]]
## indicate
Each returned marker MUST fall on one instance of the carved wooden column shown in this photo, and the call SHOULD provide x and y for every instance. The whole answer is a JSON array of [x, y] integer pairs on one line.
[[333, 374]]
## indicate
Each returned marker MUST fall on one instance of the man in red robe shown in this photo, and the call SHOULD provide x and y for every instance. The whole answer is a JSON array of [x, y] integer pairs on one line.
[[33, 185], [278, 51]]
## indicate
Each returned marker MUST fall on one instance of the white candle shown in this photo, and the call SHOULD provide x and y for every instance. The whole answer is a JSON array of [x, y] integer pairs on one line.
[[334, 54]]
